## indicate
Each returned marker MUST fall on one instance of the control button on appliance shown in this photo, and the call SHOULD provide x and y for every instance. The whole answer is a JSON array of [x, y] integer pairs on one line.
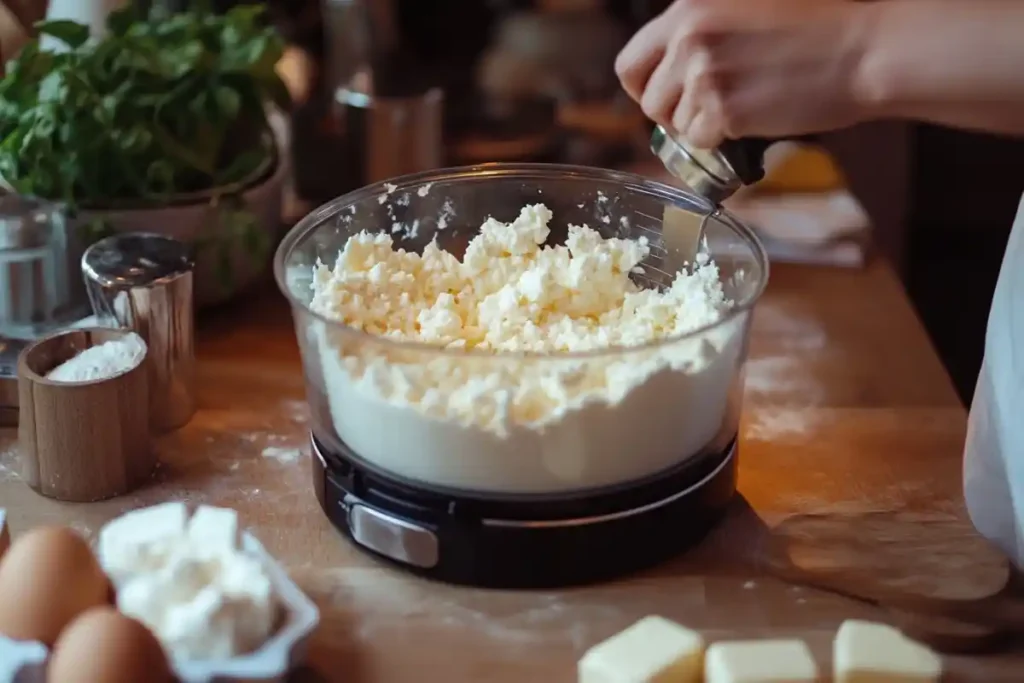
[[392, 537]]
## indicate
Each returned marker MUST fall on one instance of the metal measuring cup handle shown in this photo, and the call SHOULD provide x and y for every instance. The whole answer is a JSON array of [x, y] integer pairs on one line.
[[746, 157], [715, 174]]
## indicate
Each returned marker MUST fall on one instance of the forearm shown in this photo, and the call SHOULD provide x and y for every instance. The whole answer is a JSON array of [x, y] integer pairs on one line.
[[953, 62]]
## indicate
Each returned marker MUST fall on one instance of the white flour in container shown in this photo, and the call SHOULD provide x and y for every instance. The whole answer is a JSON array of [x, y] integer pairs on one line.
[[493, 420], [102, 361]]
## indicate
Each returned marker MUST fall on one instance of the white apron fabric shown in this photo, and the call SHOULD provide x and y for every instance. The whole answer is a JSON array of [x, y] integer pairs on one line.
[[994, 454]]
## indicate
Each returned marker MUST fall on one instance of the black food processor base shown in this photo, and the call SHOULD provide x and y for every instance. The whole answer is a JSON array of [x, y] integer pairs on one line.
[[528, 541]]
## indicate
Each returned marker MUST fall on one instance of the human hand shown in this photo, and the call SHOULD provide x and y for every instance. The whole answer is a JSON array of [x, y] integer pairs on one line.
[[16, 20], [716, 69], [25, 12]]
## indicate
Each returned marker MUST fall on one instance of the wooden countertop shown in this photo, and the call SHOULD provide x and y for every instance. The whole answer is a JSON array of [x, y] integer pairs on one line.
[[849, 417]]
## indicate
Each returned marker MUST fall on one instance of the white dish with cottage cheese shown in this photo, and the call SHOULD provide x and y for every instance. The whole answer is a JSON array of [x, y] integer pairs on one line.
[[512, 372]]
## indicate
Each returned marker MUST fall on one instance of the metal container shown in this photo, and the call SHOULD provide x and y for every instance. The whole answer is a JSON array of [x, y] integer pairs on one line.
[[719, 173], [347, 28], [390, 110], [39, 288], [389, 136], [143, 282]]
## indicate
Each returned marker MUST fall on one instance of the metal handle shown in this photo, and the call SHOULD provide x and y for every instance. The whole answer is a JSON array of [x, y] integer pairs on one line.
[[746, 155]]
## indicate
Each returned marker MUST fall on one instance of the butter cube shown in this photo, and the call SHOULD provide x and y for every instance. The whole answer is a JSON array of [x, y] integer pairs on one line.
[[653, 650], [214, 527], [148, 524], [760, 661], [121, 539], [866, 652]]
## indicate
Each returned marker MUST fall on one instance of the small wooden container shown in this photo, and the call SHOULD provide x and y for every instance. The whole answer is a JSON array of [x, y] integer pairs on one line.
[[82, 441]]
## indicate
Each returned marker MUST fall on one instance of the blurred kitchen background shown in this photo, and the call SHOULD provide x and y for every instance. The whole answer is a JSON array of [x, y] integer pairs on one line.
[[385, 87]]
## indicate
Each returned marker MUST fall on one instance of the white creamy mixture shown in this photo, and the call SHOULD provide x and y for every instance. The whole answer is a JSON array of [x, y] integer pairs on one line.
[[187, 580], [471, 413], [102, 361]]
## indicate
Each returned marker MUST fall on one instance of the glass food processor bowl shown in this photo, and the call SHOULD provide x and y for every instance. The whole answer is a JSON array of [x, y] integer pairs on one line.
[[629, 413]]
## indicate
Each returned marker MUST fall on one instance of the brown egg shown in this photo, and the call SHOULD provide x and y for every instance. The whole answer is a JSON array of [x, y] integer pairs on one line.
[[104, 646], [47, 578]]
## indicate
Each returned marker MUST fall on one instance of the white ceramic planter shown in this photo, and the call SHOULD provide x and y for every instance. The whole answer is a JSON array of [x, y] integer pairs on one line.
[[202, 225], [194, 221]]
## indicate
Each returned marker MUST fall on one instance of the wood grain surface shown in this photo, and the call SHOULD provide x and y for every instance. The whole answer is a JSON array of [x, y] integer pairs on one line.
[[851, 456], [82, 441]]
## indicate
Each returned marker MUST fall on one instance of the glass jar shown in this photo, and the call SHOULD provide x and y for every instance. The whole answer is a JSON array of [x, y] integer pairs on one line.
[[41, 289]]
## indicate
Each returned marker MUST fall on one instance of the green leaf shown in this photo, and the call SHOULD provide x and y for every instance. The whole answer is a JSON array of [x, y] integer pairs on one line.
[[228, 102], [181, 152], [160, 176], [183, 59], [135, 140], [201, 6], [155, 106], [52, 88], [119, 21], [70, 32], [256, 240], [242, 166]]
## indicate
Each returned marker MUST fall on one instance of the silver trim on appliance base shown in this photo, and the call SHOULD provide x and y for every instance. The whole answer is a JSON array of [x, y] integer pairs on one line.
[[623, 514], [410, 543]]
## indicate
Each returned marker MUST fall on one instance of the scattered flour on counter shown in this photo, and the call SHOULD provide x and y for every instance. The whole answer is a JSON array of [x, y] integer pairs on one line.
[[285, 441], [511, 294], [102, 361], [296, 411], [385, 601], [789, 327], [9, 456], [783, 379], [282, 454], [770, 424]]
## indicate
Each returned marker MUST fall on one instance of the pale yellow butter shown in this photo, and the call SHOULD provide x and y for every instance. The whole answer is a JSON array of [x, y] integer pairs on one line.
[[653, 650], [760, 661], [866, 652]]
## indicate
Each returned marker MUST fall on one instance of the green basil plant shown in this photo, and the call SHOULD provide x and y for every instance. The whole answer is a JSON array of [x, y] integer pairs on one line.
[[160, 107]]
